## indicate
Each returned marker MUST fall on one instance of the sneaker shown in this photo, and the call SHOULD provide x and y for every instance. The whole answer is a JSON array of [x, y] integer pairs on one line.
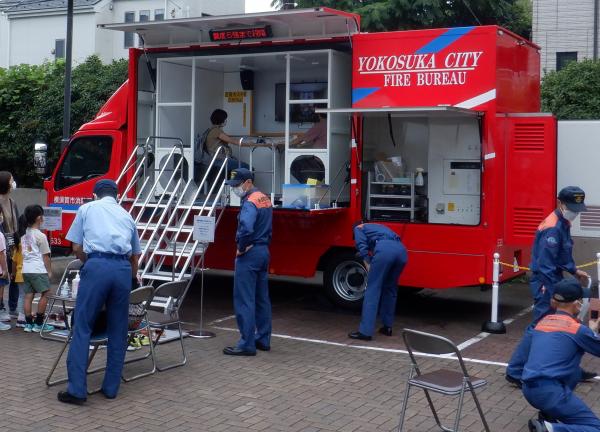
[[28, 328], [45, 328], [21, 324], [13, 314], [4, 316], [134, 344], [539, 426], [144, 340], [4, 327]]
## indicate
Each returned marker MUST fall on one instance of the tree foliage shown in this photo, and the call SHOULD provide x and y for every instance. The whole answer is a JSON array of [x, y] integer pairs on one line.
[[573, 93], [31, 108], [381, 15]]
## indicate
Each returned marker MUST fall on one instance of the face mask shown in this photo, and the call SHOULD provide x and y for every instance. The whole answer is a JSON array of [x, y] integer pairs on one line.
[[239, 191], [570, 215], [13, 184]]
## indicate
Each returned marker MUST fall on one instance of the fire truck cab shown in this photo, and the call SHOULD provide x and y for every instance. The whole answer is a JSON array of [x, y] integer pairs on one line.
[[435, 133]]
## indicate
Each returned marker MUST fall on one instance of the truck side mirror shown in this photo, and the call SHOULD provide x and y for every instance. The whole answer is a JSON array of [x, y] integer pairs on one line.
[[40, 158]]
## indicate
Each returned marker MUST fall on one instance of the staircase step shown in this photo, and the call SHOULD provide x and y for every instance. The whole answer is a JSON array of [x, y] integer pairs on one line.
[[179, 248], [165, 276], [152, 227]]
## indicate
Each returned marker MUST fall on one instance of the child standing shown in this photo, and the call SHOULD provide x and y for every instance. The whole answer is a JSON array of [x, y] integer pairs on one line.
[[37, 269], [4, 276], [17, 259]]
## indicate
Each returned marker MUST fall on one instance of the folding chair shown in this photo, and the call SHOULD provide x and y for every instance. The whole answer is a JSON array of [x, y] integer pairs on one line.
[[72, 267], [139, 300], [443, 381], [165, 307]]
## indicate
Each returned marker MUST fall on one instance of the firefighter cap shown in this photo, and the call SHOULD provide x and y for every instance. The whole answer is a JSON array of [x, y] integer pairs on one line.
[[573, 197], [239, 176], [569, 290]]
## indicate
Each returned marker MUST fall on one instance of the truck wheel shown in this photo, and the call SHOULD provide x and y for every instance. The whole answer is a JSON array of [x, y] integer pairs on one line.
[[345, 280]]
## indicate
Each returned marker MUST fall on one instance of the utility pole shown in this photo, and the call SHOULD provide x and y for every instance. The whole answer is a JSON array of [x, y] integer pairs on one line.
[[68, 61]]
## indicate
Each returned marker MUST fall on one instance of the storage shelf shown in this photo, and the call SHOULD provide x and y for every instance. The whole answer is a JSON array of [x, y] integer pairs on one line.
[[385, 201], [392, 208], [390, 196], [392, 183]]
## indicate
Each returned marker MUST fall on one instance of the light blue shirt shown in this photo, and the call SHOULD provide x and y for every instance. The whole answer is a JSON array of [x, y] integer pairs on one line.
[[104, 226]]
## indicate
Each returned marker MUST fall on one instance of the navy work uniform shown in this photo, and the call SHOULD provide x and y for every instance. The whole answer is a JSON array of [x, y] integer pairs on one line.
[[552, 254], [250, 287], [551, 373], [109, 238], [381, 248]]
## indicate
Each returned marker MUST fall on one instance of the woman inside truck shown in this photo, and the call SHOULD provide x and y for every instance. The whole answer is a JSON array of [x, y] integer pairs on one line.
[[211, 140]]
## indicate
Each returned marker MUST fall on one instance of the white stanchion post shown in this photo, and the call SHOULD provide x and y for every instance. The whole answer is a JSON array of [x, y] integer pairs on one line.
[[495, 326], [598, 272]]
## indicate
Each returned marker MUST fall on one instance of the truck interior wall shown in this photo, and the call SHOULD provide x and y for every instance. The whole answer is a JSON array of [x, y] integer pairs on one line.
[[208, 97]]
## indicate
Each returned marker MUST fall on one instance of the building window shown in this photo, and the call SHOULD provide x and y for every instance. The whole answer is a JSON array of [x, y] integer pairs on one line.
[[144, 15], [564, 58], [59, 48], [159, 14], [129, 36]]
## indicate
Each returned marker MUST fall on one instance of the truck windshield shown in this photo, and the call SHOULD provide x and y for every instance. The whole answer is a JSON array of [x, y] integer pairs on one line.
[[87, 157]]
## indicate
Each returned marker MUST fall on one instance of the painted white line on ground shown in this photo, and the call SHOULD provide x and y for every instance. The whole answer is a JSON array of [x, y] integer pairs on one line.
[[220, 320], [372, 348], [481, 336]]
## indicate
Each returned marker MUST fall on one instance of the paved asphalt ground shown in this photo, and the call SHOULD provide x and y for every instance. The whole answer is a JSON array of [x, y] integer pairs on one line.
[[314, 379]]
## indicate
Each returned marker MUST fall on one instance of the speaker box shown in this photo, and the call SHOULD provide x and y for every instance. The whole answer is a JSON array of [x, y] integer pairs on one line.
[[247, 79]]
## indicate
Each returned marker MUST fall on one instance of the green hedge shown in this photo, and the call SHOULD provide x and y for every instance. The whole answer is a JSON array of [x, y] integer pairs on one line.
[[31, 108], [573, 93]]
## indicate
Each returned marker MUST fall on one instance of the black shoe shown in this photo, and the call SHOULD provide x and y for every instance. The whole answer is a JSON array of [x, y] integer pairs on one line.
[[107, 396], [262, 347], [235, 351], [387, 331], [514, 381], [537, 426], [67, 397], [359, 335], [587, 375]]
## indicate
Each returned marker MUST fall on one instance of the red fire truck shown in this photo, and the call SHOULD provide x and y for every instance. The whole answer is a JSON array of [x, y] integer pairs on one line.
[[435, 133]]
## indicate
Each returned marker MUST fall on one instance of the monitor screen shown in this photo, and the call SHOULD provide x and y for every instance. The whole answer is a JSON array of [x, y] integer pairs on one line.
[[299, 113]]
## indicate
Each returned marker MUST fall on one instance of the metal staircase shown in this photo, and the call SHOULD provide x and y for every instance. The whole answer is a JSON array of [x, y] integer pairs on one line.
[[163, 204]]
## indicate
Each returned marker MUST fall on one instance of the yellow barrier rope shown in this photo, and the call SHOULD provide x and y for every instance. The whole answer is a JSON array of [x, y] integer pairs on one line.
[[589, 264]]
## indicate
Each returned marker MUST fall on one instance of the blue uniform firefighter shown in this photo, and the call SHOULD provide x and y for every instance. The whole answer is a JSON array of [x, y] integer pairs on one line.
[[250, 285], [384, 256], [552, 255], [552, 370], [105, 238]]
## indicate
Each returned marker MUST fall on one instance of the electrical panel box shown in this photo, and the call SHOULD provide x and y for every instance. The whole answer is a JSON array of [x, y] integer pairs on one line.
[[454, 177]]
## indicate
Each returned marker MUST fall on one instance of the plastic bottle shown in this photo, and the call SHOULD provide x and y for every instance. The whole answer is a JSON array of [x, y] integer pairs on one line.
[[64, 289], [419, 180], [75, 286]]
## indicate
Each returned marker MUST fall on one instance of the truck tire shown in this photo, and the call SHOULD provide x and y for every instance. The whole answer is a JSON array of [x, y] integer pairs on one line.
[[345, 279]]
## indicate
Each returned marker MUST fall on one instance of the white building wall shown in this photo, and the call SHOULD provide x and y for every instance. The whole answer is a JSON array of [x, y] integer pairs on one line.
[[32, 39], [4, 51], [561, 26]]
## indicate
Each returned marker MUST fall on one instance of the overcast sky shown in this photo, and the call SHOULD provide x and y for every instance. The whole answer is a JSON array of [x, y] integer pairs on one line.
[[258, 5]]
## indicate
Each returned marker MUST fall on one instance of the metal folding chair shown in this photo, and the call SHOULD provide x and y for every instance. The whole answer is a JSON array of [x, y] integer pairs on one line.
[[72, 267], [164, 313], [139, 301], [442, 381]]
